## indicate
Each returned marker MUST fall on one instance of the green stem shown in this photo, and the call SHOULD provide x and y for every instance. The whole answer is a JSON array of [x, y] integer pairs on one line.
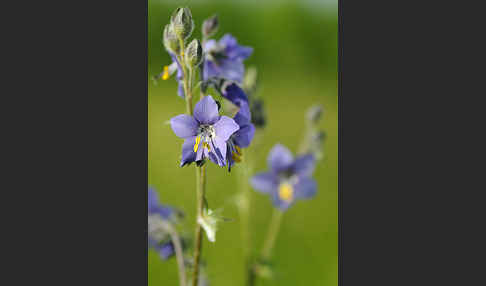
[[267, 246], [272, 234], [201, 190], [178, 252], [244, 203], [187, 84]]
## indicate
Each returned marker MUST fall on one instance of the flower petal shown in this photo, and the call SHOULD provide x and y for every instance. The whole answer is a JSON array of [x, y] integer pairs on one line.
[[225, 127], [242, 117], [279, 203], [188, 154], [265, 182], [219, 149], [210, 70], [243, 137], [184, 126], [232, 69], [235, 94], [166, 250], [153, 199], [180, 89], [233, 50], [280, 158], [304, 165], [206, 111], [305, 188]]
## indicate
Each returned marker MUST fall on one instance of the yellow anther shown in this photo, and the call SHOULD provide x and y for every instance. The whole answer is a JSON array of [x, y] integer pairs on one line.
[[196, 146], [236, 157], [238, 150], [286, 192], [165, 74], [205, 144]]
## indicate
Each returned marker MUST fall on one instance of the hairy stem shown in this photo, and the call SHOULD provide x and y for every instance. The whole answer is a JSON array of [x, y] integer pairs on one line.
[[201, 190], [187, 84]]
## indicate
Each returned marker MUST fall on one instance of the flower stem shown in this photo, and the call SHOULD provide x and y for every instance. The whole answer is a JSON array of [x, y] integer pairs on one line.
[[178, 252], [187, 84], [201, 189], [267, 247], [272, 234]]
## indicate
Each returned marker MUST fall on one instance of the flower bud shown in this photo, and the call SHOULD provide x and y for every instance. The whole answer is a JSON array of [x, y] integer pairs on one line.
[[194, 54], [210, 26], [208, 222], [171, 42], [314, 114], [258, 116], [182, 22], [250, 80]]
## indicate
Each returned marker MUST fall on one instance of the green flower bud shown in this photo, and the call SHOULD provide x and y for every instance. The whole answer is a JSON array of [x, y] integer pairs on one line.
[[182, 22], [210, 26], [314, 114], [194, 54], [171, 42], [250, 81]]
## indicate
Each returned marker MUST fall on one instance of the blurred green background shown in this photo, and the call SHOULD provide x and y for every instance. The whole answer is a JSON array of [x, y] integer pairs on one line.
[[295, 51]]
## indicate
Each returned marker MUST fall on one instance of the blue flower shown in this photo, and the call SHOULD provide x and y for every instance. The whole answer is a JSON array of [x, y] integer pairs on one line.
[[205, 133], [165, 250], [240, 139], [154, 207], [171, 69], [288, 180], [235, 94], [225, 59], [158, 238]]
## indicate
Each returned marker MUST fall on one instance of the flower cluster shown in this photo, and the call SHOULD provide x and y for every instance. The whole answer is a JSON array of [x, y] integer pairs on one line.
[[208, 134], [224, 59]]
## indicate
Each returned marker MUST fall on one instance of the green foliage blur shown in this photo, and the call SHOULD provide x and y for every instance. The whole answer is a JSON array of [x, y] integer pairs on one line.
[[295, 51]]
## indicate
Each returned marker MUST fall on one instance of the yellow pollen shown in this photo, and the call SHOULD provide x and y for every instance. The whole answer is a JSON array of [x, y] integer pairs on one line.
[[237, 154], [196, 146], [205, 144], [238, 150], [286, 192], [236, 157], [165, 74]]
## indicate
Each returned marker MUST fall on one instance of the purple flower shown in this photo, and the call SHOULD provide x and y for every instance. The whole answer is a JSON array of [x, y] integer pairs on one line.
[[288, 179], [155, 207], [165, 250], [225, 59], [172, 68], [205, 134], [237, 96], [157, 236], [240, 139]]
